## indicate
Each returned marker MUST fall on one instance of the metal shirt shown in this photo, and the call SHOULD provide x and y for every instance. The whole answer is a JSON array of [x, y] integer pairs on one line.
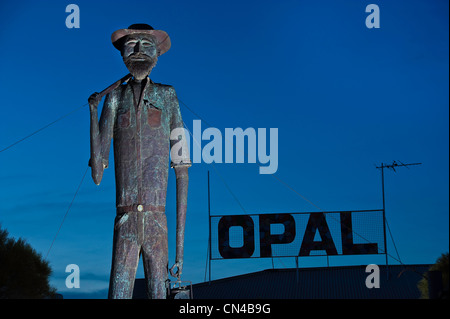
[[141, 133]]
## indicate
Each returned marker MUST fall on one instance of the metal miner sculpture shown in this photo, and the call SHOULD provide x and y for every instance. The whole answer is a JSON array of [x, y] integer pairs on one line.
[[141, 116]]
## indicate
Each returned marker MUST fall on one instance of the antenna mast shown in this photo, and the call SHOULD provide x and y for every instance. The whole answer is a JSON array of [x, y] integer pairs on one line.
[[382, 167]]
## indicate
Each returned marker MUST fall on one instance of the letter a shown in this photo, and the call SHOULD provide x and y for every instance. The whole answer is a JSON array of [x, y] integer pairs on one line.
[[73, 19], [73, 280], [373, 280], [373, 19]]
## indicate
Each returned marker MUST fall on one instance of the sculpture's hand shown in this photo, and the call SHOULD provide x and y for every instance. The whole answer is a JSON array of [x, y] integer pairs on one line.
[[179, 266], [94, 100]]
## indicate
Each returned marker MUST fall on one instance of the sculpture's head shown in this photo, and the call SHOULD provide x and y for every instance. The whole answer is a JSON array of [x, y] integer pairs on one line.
[[140, 46]]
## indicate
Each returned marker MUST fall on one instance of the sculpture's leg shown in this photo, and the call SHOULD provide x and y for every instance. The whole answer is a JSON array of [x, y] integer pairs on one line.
[[125, 257], [155, 254]]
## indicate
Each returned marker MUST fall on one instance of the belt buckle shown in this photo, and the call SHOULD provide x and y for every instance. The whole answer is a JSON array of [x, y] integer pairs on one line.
[[140, 208]]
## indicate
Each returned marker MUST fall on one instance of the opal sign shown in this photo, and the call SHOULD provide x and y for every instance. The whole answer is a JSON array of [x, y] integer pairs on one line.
[[297, 234]]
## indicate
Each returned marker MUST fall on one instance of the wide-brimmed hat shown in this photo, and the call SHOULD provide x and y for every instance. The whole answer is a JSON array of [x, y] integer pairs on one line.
[[162, 38]]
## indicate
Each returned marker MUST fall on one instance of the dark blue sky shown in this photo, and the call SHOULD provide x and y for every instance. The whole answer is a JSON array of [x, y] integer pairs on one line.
[[343, 97]]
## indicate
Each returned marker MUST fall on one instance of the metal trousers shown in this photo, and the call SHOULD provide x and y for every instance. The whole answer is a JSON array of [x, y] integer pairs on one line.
[[135, 234]]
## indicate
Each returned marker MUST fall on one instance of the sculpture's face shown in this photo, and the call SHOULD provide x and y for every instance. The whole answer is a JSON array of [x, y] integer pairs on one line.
[[140, 54]]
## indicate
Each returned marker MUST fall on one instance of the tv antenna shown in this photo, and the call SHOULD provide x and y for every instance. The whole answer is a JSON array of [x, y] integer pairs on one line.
[[395, 164], [382, 167]]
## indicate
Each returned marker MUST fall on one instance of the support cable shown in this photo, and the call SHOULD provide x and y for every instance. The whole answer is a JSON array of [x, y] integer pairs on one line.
[[67, 211], [42, 128], [393, 241]]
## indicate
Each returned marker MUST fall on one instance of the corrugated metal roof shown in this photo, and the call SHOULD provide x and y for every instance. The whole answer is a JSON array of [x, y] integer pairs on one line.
[[316, 283], [313, 283]]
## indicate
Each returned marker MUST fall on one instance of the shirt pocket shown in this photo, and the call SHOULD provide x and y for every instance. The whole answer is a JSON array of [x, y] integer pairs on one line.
[[154, 116], [123, 118]]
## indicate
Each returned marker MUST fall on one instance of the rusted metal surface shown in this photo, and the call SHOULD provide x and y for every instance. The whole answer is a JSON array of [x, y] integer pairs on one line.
[[139, 116]]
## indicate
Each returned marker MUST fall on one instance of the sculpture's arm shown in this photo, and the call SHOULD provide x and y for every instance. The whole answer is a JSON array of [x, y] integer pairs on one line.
[[100, 135], [180, 162], [182, 181]]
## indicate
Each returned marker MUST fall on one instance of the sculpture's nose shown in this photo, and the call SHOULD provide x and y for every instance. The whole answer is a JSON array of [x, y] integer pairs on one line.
[[137, 47]]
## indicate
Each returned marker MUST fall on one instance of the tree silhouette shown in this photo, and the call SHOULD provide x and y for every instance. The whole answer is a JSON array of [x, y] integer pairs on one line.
[[23, 271], [442, 264]]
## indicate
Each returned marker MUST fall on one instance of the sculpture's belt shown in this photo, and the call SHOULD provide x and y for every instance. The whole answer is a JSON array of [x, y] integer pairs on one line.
[[137, 208]]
